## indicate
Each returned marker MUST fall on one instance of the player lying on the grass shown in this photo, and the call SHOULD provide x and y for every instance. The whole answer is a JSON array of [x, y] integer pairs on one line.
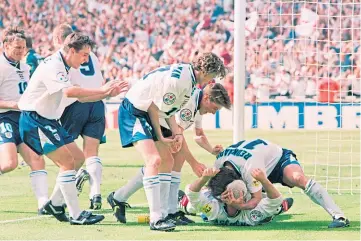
[[14, 77], [40, 130], [209, 100], [200, 200], [160, 94], [281, 166], [85, 119]]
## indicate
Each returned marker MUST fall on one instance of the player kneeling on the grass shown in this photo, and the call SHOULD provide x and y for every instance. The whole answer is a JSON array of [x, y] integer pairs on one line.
[[200, 199], [14, 78], [160, 94], [209, 100], [39, 127], [281, 166]]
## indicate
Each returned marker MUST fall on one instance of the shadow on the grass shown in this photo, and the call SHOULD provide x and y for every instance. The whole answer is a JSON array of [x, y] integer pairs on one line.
[[275, 225]]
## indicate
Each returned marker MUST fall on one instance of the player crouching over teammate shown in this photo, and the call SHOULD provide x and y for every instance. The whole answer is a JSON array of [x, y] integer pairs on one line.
[[40, 130], [281, 166], [200, 199], [209, 100]]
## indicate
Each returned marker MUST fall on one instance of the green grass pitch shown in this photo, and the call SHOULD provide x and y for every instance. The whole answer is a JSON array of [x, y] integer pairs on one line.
[[336, 154]]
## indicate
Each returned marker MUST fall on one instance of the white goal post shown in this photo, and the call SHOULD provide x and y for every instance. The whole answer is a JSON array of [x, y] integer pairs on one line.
[[300, 61]]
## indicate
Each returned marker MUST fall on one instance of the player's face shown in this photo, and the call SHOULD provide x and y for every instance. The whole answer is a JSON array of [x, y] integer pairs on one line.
[[15, 50], [206, 78], [80, 57], [207, 106]]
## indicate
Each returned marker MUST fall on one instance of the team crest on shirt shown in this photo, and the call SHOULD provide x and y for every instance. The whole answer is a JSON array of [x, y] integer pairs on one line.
[[61, 77], [206, 208], [8, 134], [256, 183], [169, 98], [256, 215], [186, 114], [57, 137]]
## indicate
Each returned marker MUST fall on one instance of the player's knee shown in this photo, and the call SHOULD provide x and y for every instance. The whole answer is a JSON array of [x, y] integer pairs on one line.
[[154, 162], [37, 163], [299, 180], [8, 165]]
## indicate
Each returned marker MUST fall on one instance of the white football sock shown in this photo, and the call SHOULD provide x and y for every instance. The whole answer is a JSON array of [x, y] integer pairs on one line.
[[56, 197], [320, 196], [95, 168], [133, 185], [66, 181], [164, 179], [173, 192], [152, 191], [39, 184]]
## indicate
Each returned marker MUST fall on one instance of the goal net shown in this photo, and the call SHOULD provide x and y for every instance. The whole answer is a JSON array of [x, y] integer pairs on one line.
[[303, 64]]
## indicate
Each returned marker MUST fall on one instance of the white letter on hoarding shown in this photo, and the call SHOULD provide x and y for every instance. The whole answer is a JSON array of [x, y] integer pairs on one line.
[[286, 118], [320, 117], [350, 117]]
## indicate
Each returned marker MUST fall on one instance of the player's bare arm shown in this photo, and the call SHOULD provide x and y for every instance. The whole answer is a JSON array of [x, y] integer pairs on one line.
[[202, 140], [270, 189], [12, 105], [208, 173], [196, 166], [112, 88], [154, 117], [177, 133], [227, 197]]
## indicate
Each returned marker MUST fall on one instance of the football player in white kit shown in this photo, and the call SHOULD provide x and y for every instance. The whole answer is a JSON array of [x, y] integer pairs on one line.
[[209, 100], [161, 93], [14, 78], [281, 166], [41, 108], [85, 119], [200, 199]]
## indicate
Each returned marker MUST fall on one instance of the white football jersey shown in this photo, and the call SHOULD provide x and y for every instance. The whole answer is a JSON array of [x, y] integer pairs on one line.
[[13, 80], [250, 154], [169, 87], [189, 113], [88, 76], [215, 211], [44, 93]]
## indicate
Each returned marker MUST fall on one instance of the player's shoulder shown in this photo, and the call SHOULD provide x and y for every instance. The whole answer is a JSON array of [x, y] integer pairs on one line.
[[54, 60], [24, 66]]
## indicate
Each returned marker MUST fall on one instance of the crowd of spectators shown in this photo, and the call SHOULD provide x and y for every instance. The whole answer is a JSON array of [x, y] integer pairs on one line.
[[136, 36]]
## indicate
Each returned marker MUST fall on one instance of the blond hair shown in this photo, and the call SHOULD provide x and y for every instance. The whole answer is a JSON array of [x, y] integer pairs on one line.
[[62, 31], [209, 63], [218, 94]]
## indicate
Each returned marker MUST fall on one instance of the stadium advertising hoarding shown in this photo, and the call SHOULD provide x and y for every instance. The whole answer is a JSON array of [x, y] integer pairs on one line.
[[278, 115]]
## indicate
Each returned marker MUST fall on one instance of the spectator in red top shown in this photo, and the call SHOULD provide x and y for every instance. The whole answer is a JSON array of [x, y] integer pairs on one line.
[[328, 90]]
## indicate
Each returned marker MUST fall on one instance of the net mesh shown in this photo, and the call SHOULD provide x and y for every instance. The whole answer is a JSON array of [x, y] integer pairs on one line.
[[305, 56]]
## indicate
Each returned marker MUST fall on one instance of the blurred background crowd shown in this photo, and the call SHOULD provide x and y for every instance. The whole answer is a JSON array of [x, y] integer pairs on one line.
[[136, 36]]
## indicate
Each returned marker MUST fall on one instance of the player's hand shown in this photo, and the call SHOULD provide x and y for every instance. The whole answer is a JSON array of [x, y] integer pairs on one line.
[[198, 168], [167, 141], [120, 87], [210, 172], [217, 149], [259, 175], [178, 141], [228, 198]]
